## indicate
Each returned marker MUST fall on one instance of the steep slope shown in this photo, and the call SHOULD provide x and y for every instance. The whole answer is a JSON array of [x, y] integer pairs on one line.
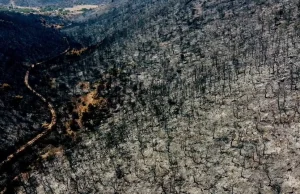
[[24, 40], [4, 2], [43, 3], [198, 97]]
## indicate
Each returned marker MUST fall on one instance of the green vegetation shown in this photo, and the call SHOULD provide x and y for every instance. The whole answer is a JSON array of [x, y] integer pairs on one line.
[[84, 10], [4, 9], [63, 12], [24, 10], [18, 10], [49, 8]]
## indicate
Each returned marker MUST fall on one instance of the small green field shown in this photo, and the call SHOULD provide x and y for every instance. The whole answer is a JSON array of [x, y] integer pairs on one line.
[[19, 10]]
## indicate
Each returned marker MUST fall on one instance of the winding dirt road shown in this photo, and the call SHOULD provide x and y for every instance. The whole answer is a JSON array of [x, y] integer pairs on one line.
[[48, 127]]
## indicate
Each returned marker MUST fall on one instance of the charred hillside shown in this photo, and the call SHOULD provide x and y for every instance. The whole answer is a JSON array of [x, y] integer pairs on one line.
[[24, 40], [178, 96], [53, 3]]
